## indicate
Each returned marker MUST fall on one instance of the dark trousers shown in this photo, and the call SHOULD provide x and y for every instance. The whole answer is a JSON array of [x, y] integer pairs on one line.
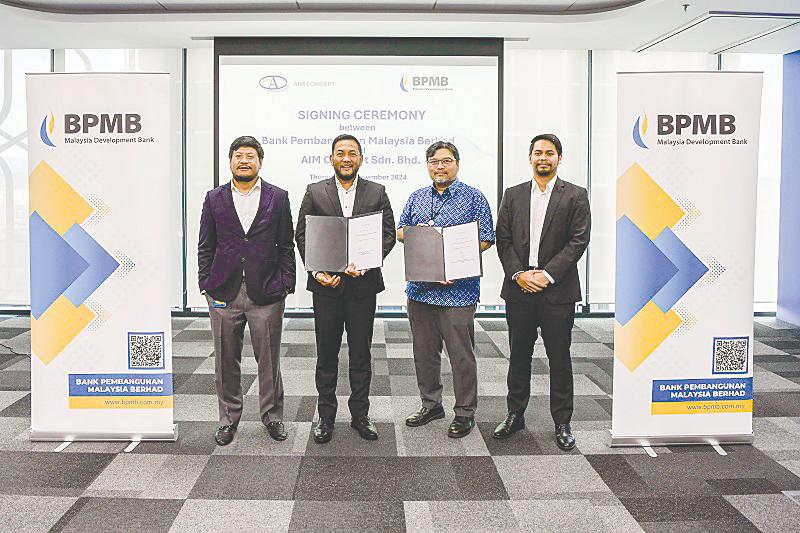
[[332, 316], [555, 321], [434, 327]]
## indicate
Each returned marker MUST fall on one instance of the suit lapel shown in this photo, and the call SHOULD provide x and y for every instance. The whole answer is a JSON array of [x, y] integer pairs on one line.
[[524, 215], [263, 204], [333, 196], [552, 206], [227, 200], [361, 194]]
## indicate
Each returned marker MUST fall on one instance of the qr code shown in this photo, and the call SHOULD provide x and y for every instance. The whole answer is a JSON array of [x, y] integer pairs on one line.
[[145, 350], [730, 355]]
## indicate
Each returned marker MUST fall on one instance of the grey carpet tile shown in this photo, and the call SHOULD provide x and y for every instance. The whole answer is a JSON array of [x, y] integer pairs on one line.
[[10, 333], [11, 360], [204, 384], [347, 517], [247, 477], [687, 508], [15, 380], [194, 438], [776, 404], [50, 474], [20, 408], [398, 479], [32, 513], [768, 512], [241, 516], [119, 514], [412, 479], [192, 335]]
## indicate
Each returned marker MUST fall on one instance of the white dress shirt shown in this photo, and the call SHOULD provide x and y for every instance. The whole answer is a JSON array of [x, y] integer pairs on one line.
[[347, 197], [246, 203], [540, 199]]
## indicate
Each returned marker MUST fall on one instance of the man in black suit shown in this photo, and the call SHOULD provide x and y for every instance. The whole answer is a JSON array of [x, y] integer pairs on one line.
[[345, 300], [542, 231]]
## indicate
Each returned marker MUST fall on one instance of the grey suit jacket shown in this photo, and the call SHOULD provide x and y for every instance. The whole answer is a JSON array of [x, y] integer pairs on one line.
[[322, 199], [565, 236]]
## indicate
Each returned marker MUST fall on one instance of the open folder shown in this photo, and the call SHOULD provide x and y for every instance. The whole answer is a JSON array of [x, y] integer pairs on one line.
[[332, 243], [442, 254]]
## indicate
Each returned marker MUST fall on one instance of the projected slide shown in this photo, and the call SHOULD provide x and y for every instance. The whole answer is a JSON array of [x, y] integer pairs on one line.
[[395, 105]]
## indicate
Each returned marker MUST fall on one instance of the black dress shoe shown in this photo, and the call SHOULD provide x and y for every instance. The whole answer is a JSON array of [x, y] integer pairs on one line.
[[564, 438], [365, 428], [277, 431], [323, 431], [461, 426], [224, 435], [424, 415], [513, 423]]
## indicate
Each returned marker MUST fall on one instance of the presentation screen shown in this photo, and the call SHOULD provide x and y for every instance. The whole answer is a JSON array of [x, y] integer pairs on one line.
[[396, 96]]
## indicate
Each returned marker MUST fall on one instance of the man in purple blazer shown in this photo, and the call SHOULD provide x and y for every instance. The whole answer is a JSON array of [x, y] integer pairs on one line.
[[246, 264]]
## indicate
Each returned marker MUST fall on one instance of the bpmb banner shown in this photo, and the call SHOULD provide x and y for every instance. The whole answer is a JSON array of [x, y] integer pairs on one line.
[[685, 237], [99, 161]]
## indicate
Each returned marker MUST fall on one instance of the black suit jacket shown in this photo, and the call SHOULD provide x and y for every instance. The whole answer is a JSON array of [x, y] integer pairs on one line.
[[322, 199], [565, 236]]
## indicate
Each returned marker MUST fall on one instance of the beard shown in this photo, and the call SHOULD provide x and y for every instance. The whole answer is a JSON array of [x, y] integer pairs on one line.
[[245, 179], [544, 173], [342, 177]]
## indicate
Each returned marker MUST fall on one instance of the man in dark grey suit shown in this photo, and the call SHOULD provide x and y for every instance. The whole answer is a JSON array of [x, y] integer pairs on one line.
[[345, 300], [542, 231]]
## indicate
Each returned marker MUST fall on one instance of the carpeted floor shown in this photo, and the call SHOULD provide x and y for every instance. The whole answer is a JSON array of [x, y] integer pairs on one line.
[[411, 479]]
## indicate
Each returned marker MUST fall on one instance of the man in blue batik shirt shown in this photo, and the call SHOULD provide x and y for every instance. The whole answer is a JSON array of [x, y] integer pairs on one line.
[[444, 313]]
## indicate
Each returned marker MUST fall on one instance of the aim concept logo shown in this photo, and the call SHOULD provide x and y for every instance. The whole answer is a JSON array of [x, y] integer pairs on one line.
[[273, 82], [46, 130], [655, 269], [67, 264], [639, 129]]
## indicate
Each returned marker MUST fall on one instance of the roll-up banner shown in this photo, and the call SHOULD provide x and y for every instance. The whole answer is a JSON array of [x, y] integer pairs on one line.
[[99, 159], [685, 251]]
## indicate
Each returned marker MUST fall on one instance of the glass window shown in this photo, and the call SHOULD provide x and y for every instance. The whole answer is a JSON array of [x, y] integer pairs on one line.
[[769, 171], [545, 91], [14, 266]]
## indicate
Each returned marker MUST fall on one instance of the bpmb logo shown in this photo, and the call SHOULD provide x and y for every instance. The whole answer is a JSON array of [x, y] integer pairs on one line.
[[424, 83], [680, 125], [103, 123]]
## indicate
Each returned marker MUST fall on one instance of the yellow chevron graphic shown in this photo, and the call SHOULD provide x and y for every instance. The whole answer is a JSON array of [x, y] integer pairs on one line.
[[55, 200], [645, 203]]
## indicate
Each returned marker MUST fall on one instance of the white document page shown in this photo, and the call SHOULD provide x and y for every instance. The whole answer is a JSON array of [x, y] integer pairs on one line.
[[462, 252], [365, 241]]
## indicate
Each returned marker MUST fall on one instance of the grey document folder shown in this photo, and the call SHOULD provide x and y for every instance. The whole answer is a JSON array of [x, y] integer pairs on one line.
[[442, 254], [332, 243]]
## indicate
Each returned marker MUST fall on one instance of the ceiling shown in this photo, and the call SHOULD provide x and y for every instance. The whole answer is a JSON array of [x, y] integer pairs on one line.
[[711, 26], [564, 7]]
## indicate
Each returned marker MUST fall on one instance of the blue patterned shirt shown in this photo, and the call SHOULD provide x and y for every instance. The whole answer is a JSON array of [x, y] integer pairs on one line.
[[459, 204]]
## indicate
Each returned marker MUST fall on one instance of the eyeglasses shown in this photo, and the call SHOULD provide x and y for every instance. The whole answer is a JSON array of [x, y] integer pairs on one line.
[[447, 161]]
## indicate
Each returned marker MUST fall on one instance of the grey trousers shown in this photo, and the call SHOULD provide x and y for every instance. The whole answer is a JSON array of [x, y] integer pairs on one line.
[[227, 328], [433, 326]]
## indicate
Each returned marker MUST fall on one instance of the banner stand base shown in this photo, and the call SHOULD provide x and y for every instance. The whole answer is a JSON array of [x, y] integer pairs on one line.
[[681, 440], [62, 436]]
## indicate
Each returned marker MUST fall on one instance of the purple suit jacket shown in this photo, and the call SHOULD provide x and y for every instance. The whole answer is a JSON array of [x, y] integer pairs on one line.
[[265, 252]]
